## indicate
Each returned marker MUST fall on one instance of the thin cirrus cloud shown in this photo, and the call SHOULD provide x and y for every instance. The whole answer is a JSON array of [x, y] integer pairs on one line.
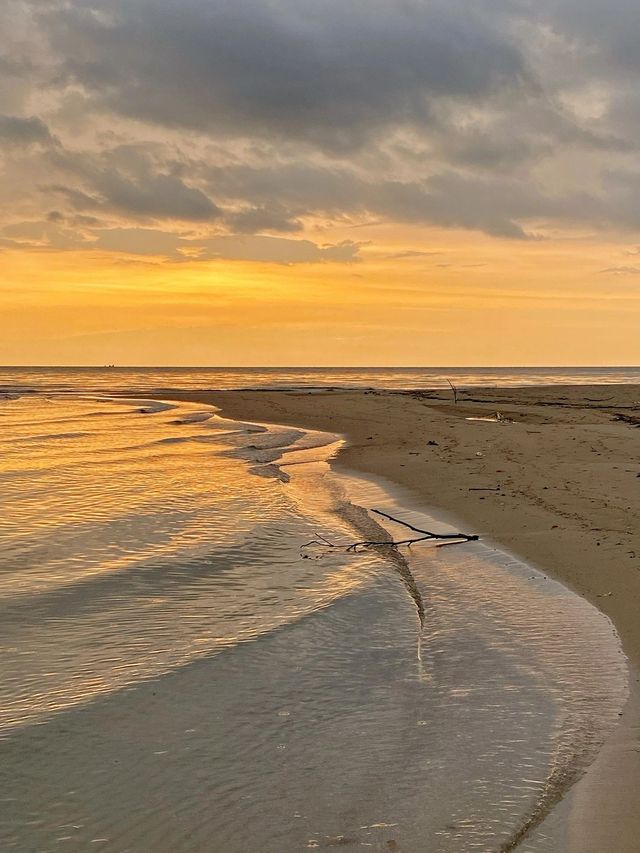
[[256, 121]]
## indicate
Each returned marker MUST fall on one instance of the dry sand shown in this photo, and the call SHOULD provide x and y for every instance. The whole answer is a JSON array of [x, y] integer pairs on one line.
[[562, 480]]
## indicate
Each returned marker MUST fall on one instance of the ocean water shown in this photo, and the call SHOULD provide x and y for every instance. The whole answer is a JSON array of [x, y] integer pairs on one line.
[[192, 660], [136, 379]]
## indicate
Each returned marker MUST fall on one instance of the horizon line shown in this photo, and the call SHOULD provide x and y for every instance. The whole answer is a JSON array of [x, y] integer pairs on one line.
[[320, 367]]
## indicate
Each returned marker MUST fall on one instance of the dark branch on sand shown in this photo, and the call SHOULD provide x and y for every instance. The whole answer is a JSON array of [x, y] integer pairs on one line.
[[427, 533], [425, 536]]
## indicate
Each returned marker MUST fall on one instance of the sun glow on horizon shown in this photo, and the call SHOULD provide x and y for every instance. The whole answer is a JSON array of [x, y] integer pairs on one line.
[[467, 299]]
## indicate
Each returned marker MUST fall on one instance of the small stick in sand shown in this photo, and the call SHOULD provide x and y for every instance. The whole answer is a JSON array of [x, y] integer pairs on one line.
[[454, 389]]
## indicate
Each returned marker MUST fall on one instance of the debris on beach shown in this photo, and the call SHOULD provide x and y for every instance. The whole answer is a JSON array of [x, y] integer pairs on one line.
[[324, 544]]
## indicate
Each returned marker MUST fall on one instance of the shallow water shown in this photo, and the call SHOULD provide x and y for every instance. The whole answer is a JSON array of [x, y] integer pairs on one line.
[[182, 671], [133, 540], [529, 676]]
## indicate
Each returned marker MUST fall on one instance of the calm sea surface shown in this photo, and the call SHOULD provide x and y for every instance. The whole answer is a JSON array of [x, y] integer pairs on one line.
[[187, 667], [166, 378]]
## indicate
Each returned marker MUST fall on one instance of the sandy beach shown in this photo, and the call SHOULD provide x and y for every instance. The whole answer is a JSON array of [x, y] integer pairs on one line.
[[555, 479]]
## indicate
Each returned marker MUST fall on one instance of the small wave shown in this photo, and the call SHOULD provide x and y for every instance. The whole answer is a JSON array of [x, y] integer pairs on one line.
[[49, 437], [579, 741]]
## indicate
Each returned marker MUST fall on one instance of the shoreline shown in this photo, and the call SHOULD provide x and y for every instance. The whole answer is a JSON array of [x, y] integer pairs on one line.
[[578, 822], [568, 502]]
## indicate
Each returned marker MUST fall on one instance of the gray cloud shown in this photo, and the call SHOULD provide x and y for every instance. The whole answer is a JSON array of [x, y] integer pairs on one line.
[[279, 250], [75, 198], [155, 195], [137, 241], [56, 234], [249, 120], [44, 235], [15, 130], [132, 180], [330, 74], [254, 219]]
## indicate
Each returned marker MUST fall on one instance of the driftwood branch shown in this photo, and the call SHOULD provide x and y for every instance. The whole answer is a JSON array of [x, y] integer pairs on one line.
[[425, 535], [454, 389]]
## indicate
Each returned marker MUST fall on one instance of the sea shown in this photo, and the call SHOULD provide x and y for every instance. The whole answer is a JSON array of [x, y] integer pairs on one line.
[[198, 655], [223, 378]]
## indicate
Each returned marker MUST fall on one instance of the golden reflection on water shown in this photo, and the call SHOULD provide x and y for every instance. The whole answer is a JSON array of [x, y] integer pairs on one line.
[[135, 538]]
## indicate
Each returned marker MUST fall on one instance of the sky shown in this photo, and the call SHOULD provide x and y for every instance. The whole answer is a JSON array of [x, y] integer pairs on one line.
[[282, 182]]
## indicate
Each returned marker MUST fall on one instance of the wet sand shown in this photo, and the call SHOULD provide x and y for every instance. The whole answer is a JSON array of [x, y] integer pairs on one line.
[[556, 480]]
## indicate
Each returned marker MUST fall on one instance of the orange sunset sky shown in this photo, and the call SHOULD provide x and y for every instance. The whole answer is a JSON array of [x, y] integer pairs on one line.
[[279, 183]]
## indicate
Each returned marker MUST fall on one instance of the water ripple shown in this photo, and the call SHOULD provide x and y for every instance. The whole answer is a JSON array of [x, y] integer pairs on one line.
[[176, 676]]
